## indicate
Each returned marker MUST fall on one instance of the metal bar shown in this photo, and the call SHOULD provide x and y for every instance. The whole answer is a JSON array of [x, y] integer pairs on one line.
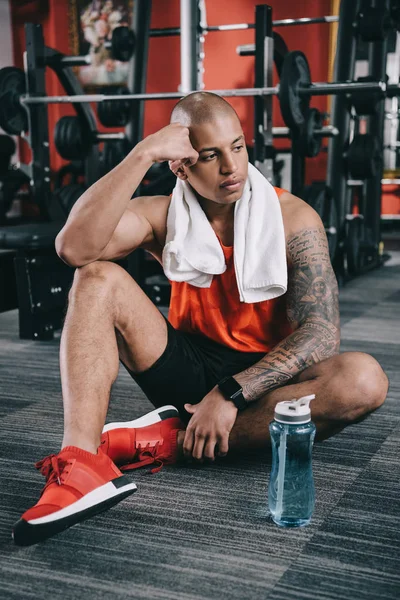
[[342, 87], [37, 122], [232, 27], [246, 50], [327, 131], [168, 31], [306, 21], [263, 64], [188, 47], [315, 89], [100, 137], [76, 61], [273, 91], [138, 68]]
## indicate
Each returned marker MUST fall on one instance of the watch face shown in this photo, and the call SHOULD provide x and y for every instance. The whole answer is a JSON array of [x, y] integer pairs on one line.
[[231, 387]]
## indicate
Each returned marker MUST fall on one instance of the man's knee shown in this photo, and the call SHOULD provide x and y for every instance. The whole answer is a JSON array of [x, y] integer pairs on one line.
[[363, 383], [105, 274]]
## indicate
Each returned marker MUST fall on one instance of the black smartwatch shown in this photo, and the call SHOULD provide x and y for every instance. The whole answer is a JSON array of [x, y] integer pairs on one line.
[[231, 390]]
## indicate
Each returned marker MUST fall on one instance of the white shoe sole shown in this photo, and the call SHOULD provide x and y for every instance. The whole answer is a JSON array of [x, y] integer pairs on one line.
[[155, 416], [26, 533]]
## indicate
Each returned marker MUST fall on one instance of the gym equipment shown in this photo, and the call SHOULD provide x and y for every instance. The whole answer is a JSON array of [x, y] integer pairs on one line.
[[374, 23], [280, 51], [365, 103], [294, 91], [310, 143], [364, 156], [115, 114], [121, 46], [12, 86], [295, 74], [319, 196], [354, 245], [168, 31], [73, 141]]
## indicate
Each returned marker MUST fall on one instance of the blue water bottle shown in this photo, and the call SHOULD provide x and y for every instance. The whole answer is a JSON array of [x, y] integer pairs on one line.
[[291, 492]]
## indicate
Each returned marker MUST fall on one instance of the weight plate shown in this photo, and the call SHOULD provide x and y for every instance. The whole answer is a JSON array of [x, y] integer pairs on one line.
[[364, 156], [280, 51], [115, 113], [122, 43], [71, 141], [310, 144], [295, 75], [319, 196], [374, 23], [353, 246], [13, 116]]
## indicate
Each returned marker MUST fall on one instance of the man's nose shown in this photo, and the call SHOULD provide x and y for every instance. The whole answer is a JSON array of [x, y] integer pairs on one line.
[[228, 164]]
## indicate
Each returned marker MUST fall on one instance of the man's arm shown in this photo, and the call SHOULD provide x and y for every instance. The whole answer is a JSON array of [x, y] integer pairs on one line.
[[312, 310]]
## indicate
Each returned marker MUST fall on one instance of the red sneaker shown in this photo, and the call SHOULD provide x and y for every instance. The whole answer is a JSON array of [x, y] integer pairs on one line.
[[144, 441], [79, 484]]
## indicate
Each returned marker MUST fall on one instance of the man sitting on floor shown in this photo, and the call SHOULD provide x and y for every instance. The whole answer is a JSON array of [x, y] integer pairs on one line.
[[253, 318]]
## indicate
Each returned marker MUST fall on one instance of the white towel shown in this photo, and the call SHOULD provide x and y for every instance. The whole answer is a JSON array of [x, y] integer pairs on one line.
[[192, 251]]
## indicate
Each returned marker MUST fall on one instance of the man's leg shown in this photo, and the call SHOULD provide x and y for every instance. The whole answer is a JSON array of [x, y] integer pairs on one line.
[[109, 317], [347, 387]]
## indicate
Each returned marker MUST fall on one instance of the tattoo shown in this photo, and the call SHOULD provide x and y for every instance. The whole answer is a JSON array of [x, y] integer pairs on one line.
[[312, 310]]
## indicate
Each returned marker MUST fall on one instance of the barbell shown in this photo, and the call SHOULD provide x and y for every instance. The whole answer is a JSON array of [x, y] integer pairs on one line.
[[73, 142], [294, 91], [169, 31]]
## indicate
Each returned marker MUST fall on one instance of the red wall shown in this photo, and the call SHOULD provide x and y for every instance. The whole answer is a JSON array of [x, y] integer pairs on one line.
[[223, 67]]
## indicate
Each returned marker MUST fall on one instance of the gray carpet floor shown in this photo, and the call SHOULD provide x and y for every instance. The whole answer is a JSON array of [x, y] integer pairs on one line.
[[195, 533]]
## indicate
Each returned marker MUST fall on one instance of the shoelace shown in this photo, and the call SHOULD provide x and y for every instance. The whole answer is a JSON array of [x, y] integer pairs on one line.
[[145, 456], [51, 467]]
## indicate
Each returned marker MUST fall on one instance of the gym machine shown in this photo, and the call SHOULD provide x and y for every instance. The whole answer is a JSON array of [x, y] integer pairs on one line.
[[294, 91]]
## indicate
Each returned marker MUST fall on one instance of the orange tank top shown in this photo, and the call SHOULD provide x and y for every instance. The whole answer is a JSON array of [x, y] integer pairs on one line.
[[217, 313]]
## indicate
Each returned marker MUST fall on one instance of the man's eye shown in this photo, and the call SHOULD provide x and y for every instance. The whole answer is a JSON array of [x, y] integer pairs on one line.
[[209, 156], [238, 147]]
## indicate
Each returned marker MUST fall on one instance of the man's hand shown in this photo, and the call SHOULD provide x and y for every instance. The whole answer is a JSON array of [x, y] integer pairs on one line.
[[211, 423], [170, 143]]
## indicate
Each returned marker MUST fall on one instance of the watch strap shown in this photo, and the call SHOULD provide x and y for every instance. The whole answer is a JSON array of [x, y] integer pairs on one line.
[[232, 390]]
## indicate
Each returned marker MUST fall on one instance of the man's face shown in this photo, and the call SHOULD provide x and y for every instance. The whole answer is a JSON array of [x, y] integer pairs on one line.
[[221, 170]]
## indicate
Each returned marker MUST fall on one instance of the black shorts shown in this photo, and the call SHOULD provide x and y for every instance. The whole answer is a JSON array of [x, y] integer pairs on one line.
[[190, 366]]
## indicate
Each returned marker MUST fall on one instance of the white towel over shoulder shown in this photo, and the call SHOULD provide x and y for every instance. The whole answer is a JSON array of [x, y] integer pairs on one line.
[[192, 252]]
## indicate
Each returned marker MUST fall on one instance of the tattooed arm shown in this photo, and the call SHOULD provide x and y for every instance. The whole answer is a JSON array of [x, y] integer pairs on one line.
[[312, 310]]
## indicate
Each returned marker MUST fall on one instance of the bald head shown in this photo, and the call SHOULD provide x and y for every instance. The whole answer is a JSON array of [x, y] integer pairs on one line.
[[201, 107]]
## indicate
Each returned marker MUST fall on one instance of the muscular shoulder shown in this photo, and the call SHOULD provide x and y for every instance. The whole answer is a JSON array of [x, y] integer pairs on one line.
[[155, 209], [300, 220], [297, 214]]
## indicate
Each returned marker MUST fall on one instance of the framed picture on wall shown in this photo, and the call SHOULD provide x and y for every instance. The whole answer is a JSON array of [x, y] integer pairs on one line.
[[91, 23]]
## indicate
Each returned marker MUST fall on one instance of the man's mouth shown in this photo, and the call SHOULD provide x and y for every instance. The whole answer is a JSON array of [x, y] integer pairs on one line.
[[232, 185]]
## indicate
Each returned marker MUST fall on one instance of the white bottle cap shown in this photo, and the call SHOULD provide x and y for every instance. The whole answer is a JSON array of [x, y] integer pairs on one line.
[[294, 411]]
